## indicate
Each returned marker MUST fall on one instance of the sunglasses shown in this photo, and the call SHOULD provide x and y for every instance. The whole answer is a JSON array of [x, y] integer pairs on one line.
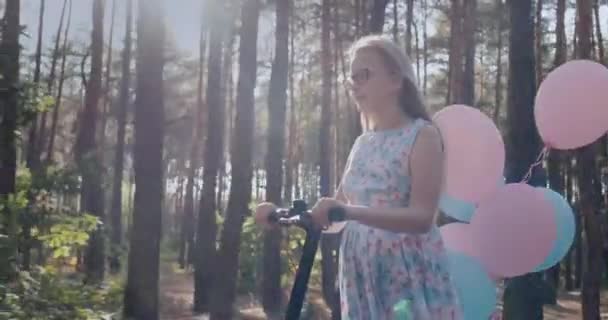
[[360, 77]]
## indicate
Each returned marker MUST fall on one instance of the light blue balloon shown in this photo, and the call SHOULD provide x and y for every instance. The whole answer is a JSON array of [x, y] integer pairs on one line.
[[455, 208], [566, 228], [459, 209], [476, 291], [402, 310]]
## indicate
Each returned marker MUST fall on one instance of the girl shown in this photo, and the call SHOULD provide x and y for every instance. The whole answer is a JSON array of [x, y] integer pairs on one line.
[[391, 248], [391, 256]]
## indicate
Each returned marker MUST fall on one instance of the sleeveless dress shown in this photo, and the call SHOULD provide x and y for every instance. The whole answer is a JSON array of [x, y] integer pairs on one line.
[[379, 269]]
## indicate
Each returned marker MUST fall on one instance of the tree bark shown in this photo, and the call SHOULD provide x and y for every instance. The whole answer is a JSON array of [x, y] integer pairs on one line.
[[277, 100], [123, 105], [41, 139], [58, 97], [456, 55], [206, 239], [32, 156], [87, 153], [141, 292], [499, 49], [242, 163], [525, 295], [376, 23], [188, 220], [589, 187], [9, 103], [469, 28], [328, 243]]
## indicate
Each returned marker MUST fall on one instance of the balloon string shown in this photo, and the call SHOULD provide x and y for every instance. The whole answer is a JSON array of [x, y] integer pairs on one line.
[[539, 160]]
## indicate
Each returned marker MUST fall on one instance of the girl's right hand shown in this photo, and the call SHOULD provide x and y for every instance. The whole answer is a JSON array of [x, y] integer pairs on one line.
[[262, 211]]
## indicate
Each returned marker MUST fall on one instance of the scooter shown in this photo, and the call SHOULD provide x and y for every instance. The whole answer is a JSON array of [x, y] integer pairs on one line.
[[299, 215]]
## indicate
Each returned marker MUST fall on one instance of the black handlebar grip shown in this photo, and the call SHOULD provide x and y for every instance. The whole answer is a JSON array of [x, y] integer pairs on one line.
[[273, 217], [337, 214]]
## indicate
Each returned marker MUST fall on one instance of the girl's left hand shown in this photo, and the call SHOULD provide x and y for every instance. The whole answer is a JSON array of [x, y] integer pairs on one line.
[[320, 211]]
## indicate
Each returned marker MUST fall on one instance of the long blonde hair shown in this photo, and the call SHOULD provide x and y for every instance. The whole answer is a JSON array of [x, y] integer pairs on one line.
[[410, 98]]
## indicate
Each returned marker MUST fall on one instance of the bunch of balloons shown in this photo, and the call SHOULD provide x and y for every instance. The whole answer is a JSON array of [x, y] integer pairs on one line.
[[510, 229]]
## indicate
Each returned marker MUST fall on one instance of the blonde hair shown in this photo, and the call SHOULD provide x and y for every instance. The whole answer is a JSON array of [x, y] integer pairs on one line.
[[396, 60]]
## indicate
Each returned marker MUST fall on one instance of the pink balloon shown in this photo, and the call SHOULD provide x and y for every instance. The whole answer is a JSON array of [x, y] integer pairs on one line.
[[514, 229], [474, 150], [571, 108], [457, 237]]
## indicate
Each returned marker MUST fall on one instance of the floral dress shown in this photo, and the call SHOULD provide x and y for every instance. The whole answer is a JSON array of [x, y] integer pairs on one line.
[[380, 269]]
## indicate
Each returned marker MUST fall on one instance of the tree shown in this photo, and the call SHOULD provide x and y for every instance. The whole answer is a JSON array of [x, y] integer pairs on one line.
[[207, 224], [242, 164], [376, 24], [524, 295], [123, 104], [277, 106], [87, 153], [328, 241], [588, 180], [9, 86], [141, 293]]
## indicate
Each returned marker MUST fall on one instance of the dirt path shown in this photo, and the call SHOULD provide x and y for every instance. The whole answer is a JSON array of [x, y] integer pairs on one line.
[[176, 287]]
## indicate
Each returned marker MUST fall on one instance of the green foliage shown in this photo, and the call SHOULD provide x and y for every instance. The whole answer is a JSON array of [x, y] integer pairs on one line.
[[69, 233], [32, 101], [45, 294], [250, 256]]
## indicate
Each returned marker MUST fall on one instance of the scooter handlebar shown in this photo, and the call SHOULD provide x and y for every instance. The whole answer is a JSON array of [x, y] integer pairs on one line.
[[292, 216]]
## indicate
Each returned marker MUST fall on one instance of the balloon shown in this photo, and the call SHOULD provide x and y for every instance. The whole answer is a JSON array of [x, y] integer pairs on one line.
[[570, 108], [566, 228], [475, 152], [459, 209], [402, 310], [457, 237], [514, 229], [455, 208], [476, 291]]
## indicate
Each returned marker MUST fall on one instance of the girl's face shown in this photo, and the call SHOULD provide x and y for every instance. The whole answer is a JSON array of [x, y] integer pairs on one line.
[[374, 87]]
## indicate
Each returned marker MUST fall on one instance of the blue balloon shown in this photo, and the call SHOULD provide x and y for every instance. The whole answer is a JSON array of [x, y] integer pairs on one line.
[[455, 208], [459, 209], [475, 288], [566, 228]]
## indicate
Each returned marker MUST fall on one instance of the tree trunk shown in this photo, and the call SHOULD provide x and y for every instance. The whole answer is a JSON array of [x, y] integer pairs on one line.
[[292, 126], [469, 28], [88, 155], [376, 23], [241, 163], [33, 158], [456, 55], [538, 41], [589, 189], [524, 295], [188, 220], [277, 100], [598, 31], [123, 105], [106, 101], [425, 46], [498, 89], [41, 140], [141, 292], [556, 159], [207, 221], [9, 102], [58, 99], [328, 266], [409, 20]]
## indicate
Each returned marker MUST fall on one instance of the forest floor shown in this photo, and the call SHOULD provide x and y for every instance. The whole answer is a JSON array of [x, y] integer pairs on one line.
[[176, 287]]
